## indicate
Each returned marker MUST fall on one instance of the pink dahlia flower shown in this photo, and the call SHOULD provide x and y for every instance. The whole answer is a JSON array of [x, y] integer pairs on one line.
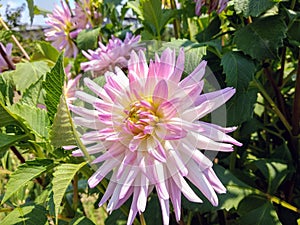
[[83, 15], [146, 128], [218, 5], [70, 85], [4, 59], [62, 30], [106, 58]]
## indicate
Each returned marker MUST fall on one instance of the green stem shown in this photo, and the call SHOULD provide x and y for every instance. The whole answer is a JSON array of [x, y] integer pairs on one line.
[[293, 3], [176, 22], [142, 219], [273, 105], [296, 103], [190, 217]]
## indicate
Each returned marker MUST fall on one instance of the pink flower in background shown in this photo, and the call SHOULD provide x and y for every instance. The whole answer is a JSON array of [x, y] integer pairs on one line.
[[106, 58], [62, 30], [70, 85], [218, 5], [146, 129], [82, 14], [7, 51]]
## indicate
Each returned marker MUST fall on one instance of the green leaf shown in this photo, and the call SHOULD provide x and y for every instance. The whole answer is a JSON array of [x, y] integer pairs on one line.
[[26, 215], [28, 73], [54, 87], [193, 52], [210, 31], [151, 214], [35, 119], [6, 86], [264, 214], [45, 51], [81, 221], [7, 117], [274, 171], [88, 39], [236, 192], [8, 140], [62, 178], [239, 70], [253, 7], [32, 94], [154, 18], [236, 114], [262, 38], [62, 133], [39, 11], [30, 5], [25, 173]]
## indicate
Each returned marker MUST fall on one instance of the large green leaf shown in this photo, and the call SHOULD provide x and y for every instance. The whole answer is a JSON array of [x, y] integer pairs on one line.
[[253, 7], [81, 221], [45, 51], [274, 171], [63, 176], [213, 28], [25, 173], [264, 214], [154, 17], [26, 215], [54, 87], [8, 140], [88, 39], [35, 119], [239, 70], [262, 38], [236, 192], [32, 94], [28, 73], [7, 117], [193, 52], [6, 86], [236, 114], [62, 132]]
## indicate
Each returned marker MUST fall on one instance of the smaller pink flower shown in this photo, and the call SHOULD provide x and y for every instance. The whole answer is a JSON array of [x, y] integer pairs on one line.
[[62, 30], [70, 85], [115, 53], [7, 50], [83, 15], [218, 5]]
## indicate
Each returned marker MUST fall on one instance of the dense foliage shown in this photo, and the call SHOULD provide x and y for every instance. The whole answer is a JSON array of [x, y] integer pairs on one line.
[[251, 45]]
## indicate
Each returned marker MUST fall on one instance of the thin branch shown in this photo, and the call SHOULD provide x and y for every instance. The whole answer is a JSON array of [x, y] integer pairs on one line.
[[296, 104], [10, 64], [15, 39]]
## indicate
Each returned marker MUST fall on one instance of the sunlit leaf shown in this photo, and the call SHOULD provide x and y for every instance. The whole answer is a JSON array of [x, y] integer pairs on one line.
[[63, 176], [262, 38], [62, 128], [26, 215], [54, 87], [253, 7], [35, 119], [88, 39], [25, 173], [8, 140], [28, 73]]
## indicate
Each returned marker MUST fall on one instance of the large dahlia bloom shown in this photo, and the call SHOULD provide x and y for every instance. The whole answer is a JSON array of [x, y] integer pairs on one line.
[[145, 132], [218, 5], [106, 58], [62, 30]]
